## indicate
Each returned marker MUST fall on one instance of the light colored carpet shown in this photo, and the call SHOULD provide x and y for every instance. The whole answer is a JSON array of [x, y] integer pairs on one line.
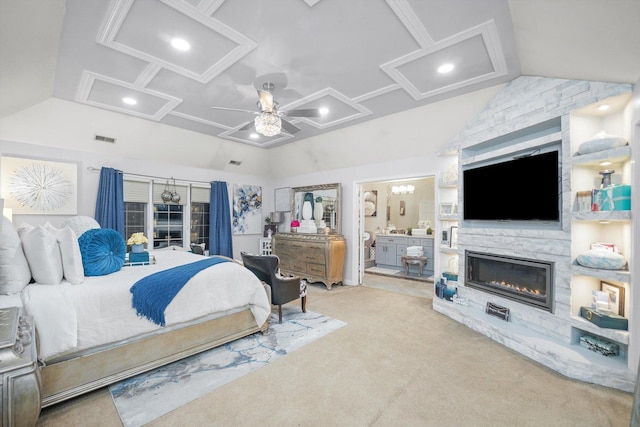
[[144, 398], [396, 362]]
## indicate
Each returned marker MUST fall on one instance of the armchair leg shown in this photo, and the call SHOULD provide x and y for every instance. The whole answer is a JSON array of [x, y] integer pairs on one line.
[[304, 304], [279, 314]]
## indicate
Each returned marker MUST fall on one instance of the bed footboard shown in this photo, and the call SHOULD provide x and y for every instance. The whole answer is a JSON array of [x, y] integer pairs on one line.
[[70, 378]]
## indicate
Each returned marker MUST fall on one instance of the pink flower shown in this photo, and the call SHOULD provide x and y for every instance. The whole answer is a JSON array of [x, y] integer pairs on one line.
[[295, 223]]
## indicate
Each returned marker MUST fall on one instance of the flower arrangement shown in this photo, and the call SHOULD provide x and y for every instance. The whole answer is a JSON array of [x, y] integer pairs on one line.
[[137, 239], [295, 223]]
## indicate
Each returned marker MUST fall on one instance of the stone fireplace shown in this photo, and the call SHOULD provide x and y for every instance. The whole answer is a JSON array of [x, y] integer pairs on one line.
[[524, 280]]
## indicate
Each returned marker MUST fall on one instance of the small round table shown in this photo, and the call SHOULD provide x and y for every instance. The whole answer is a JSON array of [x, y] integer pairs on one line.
[[420, 261]]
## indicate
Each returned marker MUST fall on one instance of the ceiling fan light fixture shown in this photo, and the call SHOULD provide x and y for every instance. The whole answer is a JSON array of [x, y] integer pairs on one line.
[[267, 124]]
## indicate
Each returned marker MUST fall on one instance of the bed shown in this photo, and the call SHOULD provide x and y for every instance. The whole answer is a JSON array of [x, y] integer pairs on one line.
[[89, 335]]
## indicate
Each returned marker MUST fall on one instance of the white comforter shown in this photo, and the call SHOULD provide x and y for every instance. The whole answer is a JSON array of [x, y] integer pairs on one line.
[[99, 311]]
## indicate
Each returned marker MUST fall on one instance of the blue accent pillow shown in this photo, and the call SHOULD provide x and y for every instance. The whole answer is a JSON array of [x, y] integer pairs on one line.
[[103, 251]]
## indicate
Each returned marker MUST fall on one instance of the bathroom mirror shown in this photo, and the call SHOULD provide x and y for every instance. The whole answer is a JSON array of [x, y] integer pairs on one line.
[[330, 195]]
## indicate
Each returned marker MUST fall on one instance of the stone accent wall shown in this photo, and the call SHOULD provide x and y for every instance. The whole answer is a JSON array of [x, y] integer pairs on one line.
[[535, 111]]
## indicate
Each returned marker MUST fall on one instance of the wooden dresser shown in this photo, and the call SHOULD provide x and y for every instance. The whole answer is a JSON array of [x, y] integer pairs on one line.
[[315, 257]]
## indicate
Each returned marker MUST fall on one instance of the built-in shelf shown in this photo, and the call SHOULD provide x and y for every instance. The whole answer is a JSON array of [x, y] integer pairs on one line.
[[448, 249], [448, 217], [453, 184], [616, 335], [614, 155], [616, 275], [602, 216]]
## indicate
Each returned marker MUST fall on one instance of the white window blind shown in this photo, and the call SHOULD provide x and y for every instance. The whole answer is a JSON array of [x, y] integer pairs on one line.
[[200, 194], [159, 187], [136, 191]]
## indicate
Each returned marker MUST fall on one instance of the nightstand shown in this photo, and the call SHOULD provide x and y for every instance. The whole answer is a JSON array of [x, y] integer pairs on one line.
[[19, 372]]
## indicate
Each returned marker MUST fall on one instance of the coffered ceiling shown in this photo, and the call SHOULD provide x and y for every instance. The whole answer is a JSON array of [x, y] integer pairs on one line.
[[360, 59]]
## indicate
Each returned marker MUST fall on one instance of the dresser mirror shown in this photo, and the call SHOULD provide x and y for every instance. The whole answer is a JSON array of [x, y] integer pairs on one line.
[[326, 203]]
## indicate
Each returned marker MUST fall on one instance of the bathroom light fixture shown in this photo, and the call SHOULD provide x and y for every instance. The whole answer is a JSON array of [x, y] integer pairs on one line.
[[268, 124], [605, 163], [403, 189]]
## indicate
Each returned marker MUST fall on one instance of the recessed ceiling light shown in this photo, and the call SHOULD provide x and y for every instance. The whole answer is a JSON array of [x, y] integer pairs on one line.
[[445, 68], [603, 107], [324, 111], [180, 44], [254, 136], [129, 101]]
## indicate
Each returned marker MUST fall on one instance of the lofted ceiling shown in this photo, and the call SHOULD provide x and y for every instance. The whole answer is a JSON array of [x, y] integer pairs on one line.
[[360, 59]]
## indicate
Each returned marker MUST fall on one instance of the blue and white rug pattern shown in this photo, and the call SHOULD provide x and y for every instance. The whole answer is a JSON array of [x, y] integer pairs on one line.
[[143, 398]]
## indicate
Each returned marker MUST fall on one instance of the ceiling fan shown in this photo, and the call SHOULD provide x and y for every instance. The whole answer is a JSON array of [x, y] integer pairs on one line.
[[269, 120]]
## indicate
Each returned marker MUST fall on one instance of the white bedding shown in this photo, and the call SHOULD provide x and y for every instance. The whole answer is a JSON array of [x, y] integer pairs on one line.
[[99, 311]]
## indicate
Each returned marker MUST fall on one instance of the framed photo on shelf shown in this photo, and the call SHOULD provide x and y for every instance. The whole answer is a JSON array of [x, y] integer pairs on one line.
[[445, 238], [453, 236], [446, 208], [616, 297]]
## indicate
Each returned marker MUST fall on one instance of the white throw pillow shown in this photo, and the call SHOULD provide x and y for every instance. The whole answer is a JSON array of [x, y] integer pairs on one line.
[[79, 224], [14, 269], [43, 254], [72, 269]]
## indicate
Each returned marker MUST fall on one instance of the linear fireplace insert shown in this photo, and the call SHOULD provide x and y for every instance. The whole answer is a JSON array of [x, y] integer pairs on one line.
[[524, 280]]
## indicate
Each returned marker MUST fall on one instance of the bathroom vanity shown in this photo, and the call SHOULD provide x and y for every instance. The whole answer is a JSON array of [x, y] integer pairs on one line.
[[390, 248]]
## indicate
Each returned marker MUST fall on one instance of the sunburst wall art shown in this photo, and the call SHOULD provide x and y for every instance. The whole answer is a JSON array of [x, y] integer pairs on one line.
[[39, 187], [247, 209]]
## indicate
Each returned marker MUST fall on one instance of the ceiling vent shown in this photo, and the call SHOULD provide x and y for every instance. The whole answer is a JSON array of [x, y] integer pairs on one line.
[[235, 162], [105, 139]]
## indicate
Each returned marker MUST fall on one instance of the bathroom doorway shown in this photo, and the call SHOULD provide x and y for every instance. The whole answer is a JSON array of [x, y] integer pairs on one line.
[[399, 211]]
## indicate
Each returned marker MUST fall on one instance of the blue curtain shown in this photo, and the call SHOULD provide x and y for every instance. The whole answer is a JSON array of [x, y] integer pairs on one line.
[[220, 241], [110, 202]]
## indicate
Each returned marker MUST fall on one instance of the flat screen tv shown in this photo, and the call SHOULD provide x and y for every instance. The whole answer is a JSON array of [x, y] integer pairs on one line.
[[525, 188]]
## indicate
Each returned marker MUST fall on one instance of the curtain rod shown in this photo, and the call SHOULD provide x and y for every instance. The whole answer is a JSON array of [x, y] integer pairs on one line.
[[94, 169]]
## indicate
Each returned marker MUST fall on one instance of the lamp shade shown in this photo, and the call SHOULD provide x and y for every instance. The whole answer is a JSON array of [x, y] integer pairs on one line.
[[276, 217]]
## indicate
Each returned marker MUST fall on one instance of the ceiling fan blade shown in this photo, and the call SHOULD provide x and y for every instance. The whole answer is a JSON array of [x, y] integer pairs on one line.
[[248, 126], [266, 101], [289, 127], [235, 109], [314, 112]]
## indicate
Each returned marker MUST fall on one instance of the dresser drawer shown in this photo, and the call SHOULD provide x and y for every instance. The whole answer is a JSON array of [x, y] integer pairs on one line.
[[316, 269], [317, 257]]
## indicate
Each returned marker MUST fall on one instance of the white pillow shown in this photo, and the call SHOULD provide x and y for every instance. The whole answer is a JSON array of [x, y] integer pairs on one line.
[[43, 254], [14, 269], [72, 269], [79, 224]]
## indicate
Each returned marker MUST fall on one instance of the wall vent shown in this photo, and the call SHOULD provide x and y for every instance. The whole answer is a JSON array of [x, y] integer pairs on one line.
[[105, 139], [235, 162]]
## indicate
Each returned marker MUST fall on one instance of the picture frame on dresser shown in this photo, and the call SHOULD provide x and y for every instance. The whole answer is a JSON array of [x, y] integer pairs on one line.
[[616, 297]]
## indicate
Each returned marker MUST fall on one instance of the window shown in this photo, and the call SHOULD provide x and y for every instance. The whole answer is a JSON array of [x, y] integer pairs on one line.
[[168, 223], [200, 215]]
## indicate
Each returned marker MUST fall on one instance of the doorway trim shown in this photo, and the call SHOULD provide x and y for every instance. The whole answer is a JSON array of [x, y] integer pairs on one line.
[[358, 214]]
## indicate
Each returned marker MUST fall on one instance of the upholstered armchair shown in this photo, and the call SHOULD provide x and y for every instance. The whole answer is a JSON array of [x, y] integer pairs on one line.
[[284, 289]]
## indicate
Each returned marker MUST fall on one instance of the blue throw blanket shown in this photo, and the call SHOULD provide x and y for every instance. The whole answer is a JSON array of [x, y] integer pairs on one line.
[[153, 293]]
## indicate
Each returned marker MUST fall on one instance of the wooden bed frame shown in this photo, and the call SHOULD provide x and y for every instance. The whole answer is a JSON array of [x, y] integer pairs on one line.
[[70, 378]]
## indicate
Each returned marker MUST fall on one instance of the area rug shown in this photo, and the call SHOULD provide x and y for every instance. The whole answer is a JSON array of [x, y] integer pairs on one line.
[[144, 398]]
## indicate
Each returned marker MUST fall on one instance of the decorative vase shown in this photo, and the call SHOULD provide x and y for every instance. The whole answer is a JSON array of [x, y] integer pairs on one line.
[[307, 212], [137, 248], [318, 210]]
